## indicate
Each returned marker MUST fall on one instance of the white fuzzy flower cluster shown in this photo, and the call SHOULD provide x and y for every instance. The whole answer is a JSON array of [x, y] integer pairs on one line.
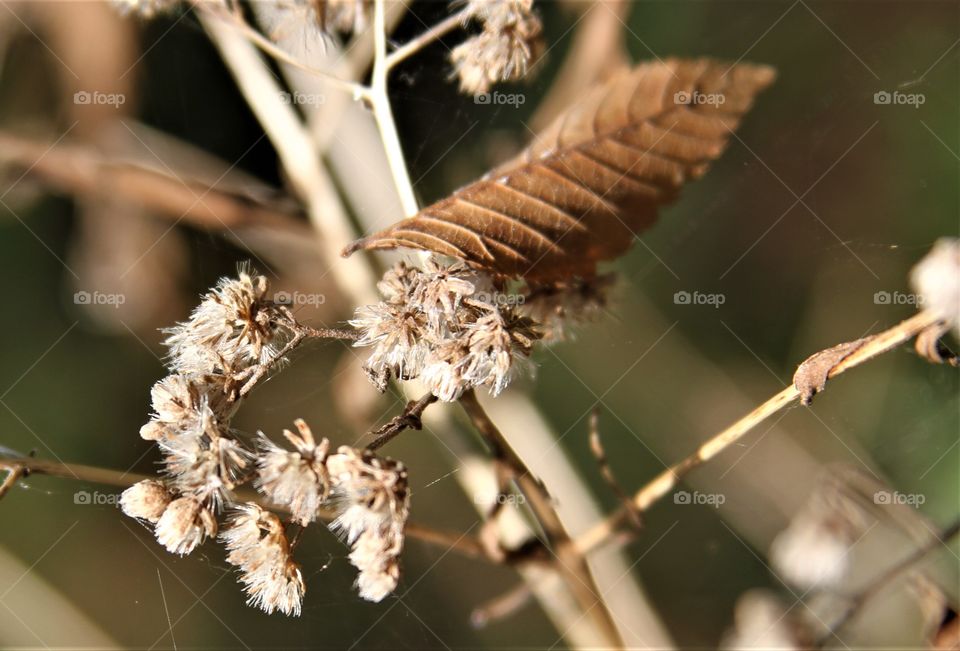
[[297, 479], [236, 326], [233, 336], [763, 622], [233, 329], [937, 279], [257, 544], [814, 551], [503, 50], [373, 500], [445, 326], [368, 493]]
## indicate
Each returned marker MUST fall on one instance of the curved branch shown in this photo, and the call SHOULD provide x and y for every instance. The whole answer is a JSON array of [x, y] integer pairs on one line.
[[666, 481]]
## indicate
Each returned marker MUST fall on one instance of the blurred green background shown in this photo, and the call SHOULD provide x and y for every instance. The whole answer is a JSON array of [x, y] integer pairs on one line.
[[878, 183]]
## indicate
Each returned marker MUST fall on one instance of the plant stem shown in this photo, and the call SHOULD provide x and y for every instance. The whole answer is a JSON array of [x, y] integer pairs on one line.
[[666, 481], [380, 104], [438, 31], [571, 564], [409, 419], [20, 467]]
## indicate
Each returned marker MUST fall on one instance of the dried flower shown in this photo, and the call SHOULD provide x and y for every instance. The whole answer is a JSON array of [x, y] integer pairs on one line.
[[235, 326], [813, 552], [257, 544], [443, 325], [937, 279], [147, 500], [373, 501], [184, 524], [503, 50], [396, 332], [180, 401], [204, 461], [762, 622], [297, 480]]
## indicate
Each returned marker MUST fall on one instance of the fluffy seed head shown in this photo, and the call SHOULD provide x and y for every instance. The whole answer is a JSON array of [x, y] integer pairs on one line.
[[937, 279], [257, 545], [184, 524], [297, 479], [235, 326]]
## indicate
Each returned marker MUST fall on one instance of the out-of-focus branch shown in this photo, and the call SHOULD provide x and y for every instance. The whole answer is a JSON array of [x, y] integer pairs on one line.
[[82, 170], [298, 156]]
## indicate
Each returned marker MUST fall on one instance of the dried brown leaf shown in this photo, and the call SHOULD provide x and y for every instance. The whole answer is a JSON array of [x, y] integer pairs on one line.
[[812, 375], [594, 178]]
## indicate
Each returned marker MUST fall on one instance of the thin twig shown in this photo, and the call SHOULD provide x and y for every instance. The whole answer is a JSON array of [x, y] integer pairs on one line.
[[666, 481], [596, 447], [435, 33], [409, 419], [872, 589], [501, 606], [464, 544], [14, 473]]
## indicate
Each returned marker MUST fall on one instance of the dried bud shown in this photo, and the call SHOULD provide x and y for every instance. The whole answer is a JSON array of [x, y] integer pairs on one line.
[[297, 480], [184, 524], [146, 500], [257, 544]]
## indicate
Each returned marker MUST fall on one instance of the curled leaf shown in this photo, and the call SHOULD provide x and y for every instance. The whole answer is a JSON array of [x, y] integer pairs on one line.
[[593, 179]]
